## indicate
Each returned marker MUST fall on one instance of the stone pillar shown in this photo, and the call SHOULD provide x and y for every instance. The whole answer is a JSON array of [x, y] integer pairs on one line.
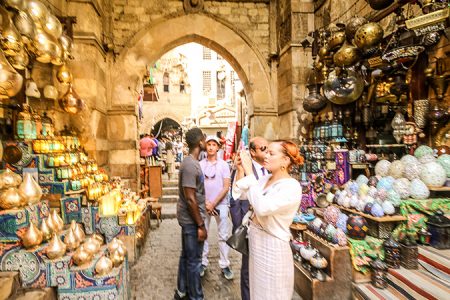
[[89, 70], [295, 18]]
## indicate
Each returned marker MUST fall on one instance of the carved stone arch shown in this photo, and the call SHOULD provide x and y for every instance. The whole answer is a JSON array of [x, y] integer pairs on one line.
[[151, 43]]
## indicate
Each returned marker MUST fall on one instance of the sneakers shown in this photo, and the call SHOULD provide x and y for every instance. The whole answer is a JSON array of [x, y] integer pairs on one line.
[[227, 273], [202, 270], [179, 296]]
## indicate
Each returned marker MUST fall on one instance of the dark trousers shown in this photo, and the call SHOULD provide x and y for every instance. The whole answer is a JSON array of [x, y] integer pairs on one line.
[[190, 261], [238, 209]]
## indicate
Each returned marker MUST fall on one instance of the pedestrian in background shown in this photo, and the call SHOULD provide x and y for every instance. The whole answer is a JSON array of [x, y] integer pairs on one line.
[[146, 145]]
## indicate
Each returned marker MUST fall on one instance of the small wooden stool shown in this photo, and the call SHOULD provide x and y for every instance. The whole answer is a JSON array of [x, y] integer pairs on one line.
[[156, 210]]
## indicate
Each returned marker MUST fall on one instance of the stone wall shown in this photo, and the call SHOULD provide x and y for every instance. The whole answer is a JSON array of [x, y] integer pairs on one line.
[[251, 18]]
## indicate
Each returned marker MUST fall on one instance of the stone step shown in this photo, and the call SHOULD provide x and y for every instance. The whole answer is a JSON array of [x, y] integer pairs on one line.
[[172, 190], [168, 210], [169, 199], [170, 183], [9, 284]]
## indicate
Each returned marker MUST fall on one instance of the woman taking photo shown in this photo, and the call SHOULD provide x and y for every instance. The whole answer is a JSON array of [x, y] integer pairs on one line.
[[275, 199]]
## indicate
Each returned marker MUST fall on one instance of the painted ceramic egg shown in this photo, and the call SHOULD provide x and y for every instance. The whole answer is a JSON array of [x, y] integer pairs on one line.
[[357, 227], [354, 200], [373, 192], [388, 208], [409, 159], [363, 189], [330, 197], [340, 237], [331, 214], [360, 205], [433, 174], [412, 170], [382, 194], [342, 222], [427, 158], [354, 188], [403, 187], [377, 210], [362, 179], [330, 231], [444, 160], [372, 181], [396, 169], [422, 150], [346, 202], [394, 198], [419, 190], [382, 167], [368, 207], [385, 183], [316, 224], [370, 199], [341, 198]]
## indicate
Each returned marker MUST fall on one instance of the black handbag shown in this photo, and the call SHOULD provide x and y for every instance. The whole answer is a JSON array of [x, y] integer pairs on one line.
[[238, 240]]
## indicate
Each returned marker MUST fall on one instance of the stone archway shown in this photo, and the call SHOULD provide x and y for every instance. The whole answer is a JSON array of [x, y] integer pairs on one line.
[[152, 42]]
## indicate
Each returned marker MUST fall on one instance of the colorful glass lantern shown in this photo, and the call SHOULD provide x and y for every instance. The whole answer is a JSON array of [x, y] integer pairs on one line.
[[47, 125], [25, 123]]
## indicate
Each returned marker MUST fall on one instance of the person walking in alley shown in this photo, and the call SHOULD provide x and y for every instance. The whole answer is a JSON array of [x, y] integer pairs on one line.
[[146, 145], [217, 185], [274, 199], [191, 213], [239, 206], [170, 160]]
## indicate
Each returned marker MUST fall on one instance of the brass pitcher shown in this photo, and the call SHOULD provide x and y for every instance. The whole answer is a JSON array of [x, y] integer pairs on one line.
[[116, 259], [11, 198], [98, 238], [54, 227], [56, 248], [113, 245], [32, 237], [103, 266], [71, 240], [30, 190], [91, 246], [9, 179], [77, 230], [81, 256], [46, 231], [57, 220]]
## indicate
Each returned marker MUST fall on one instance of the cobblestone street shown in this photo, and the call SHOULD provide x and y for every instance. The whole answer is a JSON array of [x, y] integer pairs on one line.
[[154, 276]]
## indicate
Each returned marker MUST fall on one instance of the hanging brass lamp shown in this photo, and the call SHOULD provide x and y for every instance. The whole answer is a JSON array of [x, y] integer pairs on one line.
[[64, 75], [25, 25], [53, 26], [46, 46], [71, 102], [30, 189], [10, 81], [16, 4], [32, 236], [19, 61], [11, 41], [38, 11]]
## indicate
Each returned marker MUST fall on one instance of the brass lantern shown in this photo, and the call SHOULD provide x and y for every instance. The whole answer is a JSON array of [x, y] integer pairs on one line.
[[11, 41], [10, 81], [71, 102]]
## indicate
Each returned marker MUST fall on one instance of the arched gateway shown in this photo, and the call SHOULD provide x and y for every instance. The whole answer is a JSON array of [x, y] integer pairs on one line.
[[150, 43]]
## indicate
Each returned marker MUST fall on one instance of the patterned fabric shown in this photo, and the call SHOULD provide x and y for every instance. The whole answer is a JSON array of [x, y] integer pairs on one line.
[[417, 212], [342, 172], [364, 251], [271, 266]]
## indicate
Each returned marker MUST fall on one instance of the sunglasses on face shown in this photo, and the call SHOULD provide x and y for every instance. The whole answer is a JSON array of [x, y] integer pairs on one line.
[[263, 148]]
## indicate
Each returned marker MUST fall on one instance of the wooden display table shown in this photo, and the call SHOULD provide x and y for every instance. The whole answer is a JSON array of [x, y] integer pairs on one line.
[[379, 227], [339, 272]]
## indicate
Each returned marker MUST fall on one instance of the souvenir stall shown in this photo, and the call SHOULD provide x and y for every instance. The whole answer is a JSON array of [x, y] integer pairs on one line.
[[374, 218], [64, 223]]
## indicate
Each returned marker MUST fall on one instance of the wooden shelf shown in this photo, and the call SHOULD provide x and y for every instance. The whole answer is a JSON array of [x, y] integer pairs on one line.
[[75, 192], [385, 145], [298, 226], [439, 188], [394, 218]]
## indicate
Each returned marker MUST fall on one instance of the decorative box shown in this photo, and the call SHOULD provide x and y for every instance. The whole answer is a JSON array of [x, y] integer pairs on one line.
[[46, 176], [71, 209], [439, 227]]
